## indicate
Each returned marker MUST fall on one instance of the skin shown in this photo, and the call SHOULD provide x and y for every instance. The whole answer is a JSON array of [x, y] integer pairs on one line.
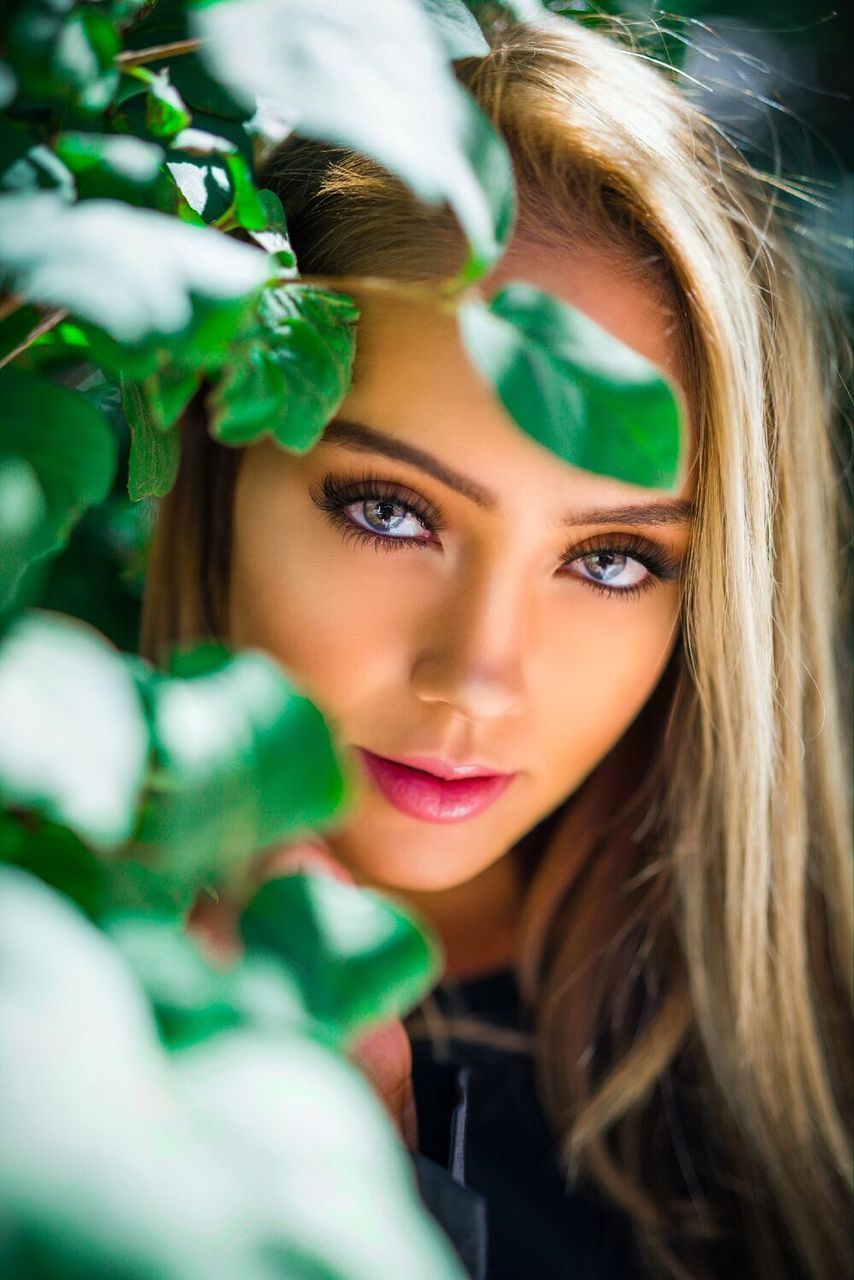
[[480, 644]]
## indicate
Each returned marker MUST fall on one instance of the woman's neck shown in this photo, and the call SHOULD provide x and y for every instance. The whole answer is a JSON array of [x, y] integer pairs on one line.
[[476, 921]]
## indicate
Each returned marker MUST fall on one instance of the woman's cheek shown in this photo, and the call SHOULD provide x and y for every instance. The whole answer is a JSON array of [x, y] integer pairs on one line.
[[588, 702], [327, 611]]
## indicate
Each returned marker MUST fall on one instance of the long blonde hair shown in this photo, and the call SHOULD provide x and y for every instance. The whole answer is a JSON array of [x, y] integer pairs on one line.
[[694, 949]]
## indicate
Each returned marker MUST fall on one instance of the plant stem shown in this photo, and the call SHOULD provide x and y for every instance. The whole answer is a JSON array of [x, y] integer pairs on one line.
[[47, 322], [443, 293], [139, 57]]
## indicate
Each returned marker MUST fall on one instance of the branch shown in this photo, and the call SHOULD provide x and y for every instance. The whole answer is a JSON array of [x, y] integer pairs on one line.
[[442, 294], [139, 57], [47, 322]]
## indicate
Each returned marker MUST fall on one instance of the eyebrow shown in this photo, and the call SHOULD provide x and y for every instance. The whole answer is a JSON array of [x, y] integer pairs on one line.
[[364, 439]]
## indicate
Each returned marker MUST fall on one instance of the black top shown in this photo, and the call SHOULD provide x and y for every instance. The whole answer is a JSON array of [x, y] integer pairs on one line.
[[486, 1165]]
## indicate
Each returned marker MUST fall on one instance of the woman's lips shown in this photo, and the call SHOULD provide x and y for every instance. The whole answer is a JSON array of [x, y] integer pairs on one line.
[[423, 795]]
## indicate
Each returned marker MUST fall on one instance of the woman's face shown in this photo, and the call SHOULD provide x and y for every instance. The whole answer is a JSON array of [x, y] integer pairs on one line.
[[443, 586]]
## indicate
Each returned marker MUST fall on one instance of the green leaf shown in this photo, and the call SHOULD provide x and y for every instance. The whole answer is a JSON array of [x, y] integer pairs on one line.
[[165, 395], [134, 273], [73, 738], [23, 510], [118, 1159], [57, 856], [155, 454], [576, 388], [8, 85], [215, 180], [165, 23], [66, 441], [358, 957], [17, 326], [290, 372], [152, 408], [193, 1001], [102, 888], [165, 111], [337, 72], [242, 761], [198, 168], [65, 52], [112, 166], [26, 164], [273, 237], [249, 211]]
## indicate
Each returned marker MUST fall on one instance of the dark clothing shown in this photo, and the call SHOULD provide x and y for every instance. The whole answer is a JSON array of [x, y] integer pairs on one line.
[[486, 1164]]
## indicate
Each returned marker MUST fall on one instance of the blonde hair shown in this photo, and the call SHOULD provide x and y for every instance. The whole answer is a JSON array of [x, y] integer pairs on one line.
[[693, 950]]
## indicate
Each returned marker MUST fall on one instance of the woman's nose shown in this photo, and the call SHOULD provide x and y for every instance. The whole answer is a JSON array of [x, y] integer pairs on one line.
[[472, 651]]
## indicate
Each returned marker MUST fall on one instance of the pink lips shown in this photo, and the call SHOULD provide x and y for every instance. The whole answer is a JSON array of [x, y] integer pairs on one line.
[[432, 799]]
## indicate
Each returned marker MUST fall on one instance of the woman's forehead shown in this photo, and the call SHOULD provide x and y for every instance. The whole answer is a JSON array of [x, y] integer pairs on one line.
[[497, 467], [413, 379]]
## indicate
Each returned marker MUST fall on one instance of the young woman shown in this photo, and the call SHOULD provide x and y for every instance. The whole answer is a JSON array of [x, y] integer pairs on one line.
[[647, 895]]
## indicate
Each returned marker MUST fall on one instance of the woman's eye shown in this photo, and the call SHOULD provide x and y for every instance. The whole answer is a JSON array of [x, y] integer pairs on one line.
[[385, 517], [613, 569]]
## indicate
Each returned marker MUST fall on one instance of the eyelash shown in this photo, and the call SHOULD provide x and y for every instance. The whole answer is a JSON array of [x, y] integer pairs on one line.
[[335, 493]]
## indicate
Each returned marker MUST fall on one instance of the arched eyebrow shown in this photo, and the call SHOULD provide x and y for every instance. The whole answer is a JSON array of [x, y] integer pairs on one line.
[[364, 439]]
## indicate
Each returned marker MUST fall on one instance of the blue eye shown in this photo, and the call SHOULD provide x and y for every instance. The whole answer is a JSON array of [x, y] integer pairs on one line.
[[619, 571], [387, 518], [392, 517]]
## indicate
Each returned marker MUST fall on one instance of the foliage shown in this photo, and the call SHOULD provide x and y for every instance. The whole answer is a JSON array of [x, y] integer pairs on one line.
[[160, 1116]]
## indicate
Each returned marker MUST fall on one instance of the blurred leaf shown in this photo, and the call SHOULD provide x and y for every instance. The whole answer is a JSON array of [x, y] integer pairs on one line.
[[99, 575], [118, 1160], [112, 166], [132, 272], [23, 511], [202, 347], [15, 327], [73, 739], [337, 71], [242, 760], [165, 23], [126, 12], [8, 85], [488, 12], [358, 957], [26, 164], [457, 28], [574, 387], [193, 1001], [56, 855], [61, 341], [290, 370], [60, 51], [66, 441], [100, 887]]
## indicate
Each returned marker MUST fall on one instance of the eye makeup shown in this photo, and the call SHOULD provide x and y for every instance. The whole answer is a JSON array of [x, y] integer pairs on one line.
[[334, 494]]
